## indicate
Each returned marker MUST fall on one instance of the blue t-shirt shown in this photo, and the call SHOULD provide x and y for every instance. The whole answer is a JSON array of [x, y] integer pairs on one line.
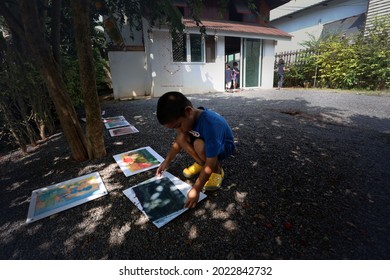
[[228, 76], [213, 129]]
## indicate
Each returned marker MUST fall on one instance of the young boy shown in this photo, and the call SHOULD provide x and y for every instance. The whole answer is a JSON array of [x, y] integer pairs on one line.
[[235, 76], [228, 78], [203, 134]]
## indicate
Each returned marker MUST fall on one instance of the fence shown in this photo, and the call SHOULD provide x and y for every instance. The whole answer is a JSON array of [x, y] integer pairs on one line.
[[306, 76], [293, 57]]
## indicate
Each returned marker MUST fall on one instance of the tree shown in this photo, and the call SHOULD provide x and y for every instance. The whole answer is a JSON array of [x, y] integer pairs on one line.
[[26, 110], [95, 145], [33, 31], [28, 22]]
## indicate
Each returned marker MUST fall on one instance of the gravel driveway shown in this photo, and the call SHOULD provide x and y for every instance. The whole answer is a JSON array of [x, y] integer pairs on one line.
[[310, 180]]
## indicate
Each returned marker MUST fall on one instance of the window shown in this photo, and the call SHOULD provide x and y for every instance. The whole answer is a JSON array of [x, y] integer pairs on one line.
[[179, 47], [193, 48], [196, 46], [210, 49]]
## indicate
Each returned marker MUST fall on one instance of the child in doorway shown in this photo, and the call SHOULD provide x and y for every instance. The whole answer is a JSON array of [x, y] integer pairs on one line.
[[201, 133], [228, 78], [236, 76]]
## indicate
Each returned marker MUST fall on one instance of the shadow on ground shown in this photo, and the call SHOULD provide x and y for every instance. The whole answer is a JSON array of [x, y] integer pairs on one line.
[[305, 183]]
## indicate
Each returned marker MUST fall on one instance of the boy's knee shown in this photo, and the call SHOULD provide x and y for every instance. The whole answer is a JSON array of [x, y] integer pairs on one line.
[[199, 146], [198, 142], [182, 139]]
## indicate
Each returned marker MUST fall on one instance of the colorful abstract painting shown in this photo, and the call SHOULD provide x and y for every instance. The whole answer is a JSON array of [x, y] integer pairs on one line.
[[114, 119], [123, 130], [138, 160], [61, 196], [114, 122], [161, 199]]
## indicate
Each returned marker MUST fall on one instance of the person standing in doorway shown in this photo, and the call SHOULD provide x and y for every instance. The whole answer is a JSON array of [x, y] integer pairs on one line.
[[235, 76], [281, 70], [228, 78]]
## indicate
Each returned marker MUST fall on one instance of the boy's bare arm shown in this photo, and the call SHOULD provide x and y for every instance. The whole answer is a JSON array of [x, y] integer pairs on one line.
[[175, 149], [193, 194]]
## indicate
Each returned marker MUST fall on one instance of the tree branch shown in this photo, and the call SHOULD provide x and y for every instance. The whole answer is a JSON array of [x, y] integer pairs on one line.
[[12, 22]]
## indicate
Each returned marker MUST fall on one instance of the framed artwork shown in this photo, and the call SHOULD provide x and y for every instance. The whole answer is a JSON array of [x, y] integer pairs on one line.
[[115, 123], [61, 196], [114, 119], [123, 130], [161, 199], [138, 160]]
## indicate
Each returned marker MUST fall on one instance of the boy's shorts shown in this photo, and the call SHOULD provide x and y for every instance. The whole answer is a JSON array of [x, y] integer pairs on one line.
[[225, 154]]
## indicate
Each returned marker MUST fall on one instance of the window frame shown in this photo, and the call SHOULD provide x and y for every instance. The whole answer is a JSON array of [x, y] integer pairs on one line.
[[203, 49]]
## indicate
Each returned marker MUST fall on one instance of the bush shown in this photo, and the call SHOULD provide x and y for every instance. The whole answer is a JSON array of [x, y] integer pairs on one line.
[[374, 48], [337, 62], [360, 62]]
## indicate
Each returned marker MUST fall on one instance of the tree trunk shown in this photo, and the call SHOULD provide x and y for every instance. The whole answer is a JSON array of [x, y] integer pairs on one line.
[[12, 125], [55, 31], [53, 79], [95, 139], [24, 113]]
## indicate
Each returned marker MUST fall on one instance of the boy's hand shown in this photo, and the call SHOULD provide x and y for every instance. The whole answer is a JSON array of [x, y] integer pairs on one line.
[[192, 198], [163, 166]]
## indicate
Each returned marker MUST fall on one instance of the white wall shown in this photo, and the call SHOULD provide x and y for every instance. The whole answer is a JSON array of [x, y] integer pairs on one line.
[[136, 74], [129, 68], [311, 21], [267, 74], [128, 73], [185, 77]]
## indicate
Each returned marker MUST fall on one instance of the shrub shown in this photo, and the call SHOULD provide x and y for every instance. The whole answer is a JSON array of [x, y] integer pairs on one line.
[[337, 61]]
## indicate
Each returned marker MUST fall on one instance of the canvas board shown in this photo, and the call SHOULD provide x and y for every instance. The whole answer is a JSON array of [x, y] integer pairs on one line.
[[138, 160], [123, 130], [115, 124], [161, 199], [116, 121], [61, 196]]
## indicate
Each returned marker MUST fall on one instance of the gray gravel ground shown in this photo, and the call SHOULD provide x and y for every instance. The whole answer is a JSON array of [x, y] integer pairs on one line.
[[310, 180]]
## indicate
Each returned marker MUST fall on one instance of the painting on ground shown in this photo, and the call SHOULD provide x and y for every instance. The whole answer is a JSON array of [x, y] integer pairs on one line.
[[161, 199], [123, 130], [114, 119], [113, 122], [138, 160], [61, 196]]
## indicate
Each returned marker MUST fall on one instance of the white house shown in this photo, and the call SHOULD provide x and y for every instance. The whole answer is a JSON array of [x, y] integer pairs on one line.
[[376, 8], [346, 16], [152, 62]]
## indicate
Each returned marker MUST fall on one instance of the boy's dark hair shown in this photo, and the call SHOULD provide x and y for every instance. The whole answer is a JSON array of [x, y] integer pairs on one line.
[[171, 106]]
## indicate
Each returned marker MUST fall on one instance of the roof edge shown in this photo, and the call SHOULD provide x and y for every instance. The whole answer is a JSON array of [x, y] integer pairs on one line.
[[238, 28]]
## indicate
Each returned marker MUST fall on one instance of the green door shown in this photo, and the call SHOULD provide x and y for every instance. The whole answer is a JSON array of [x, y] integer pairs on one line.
[[252, 64]]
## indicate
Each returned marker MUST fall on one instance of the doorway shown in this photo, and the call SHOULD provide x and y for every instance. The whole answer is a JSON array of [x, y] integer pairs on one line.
[[233, 53], [247, 53], [251, 68]]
